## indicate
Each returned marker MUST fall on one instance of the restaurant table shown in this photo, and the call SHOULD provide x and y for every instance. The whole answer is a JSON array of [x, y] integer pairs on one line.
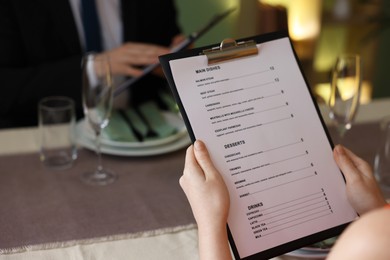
[[48, 214]]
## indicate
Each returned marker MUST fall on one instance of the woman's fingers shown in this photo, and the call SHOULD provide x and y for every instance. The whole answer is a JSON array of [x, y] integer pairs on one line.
[[190, 158], [203, 158], [359, 163], [192, 170], [351, 165], [346, 165]]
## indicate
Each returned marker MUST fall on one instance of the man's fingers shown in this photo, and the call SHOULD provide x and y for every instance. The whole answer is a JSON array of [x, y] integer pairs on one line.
[[126, 58], [141, 60], [177, 39], [138, 49], [131, 71]]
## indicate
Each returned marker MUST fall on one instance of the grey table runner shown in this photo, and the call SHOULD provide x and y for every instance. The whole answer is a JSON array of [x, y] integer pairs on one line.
[[41, 206]]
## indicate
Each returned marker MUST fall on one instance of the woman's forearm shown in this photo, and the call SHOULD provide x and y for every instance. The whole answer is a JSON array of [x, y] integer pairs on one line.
[[213, 243]]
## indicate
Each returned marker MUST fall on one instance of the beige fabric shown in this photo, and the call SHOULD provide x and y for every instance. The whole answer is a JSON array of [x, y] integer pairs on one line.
[[179, 245]]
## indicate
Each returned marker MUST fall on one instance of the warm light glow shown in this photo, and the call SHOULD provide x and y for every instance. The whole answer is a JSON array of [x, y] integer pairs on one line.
[[230, 4], [347, 87], [323, 90], [304, 19], [284, 3]]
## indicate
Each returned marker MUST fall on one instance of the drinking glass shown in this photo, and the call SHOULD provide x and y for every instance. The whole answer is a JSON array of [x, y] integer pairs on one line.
[[345, 92], [97, 88], [382, 158], [56, 131]]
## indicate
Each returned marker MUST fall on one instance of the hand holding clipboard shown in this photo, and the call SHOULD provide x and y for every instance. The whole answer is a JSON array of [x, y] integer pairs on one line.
[[187, 42], [250, 104]]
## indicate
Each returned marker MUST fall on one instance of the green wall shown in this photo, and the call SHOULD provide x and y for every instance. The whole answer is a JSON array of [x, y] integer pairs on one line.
[[381, 76], [196, 14]]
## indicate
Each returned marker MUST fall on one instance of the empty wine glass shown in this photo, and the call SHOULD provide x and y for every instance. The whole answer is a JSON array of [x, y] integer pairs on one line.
[[345, 92], [382, 158], [97, 103]]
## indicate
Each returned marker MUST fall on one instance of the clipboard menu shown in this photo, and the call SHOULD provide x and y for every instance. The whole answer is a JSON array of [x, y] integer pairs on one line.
[[265, 134]]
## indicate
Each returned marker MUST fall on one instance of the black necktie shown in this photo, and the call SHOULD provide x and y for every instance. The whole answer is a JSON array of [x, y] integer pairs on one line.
[[91, 26]]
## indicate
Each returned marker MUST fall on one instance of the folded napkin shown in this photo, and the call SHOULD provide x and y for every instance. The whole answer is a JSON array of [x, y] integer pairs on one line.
[[118, 129], [168, 100], [136, 122], [155, 119], [145, 123]]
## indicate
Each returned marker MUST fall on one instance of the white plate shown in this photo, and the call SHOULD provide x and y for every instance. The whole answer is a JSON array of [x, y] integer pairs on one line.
[[174, 119], [316, 249], [301, 253], [181, 142]]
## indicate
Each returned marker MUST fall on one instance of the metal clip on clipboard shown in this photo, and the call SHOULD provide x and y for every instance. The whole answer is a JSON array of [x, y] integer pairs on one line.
[[230, 49]]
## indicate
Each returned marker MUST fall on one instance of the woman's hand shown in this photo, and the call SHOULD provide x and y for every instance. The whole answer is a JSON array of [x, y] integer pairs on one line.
[[209, 199], [204, 187], [362, 189]]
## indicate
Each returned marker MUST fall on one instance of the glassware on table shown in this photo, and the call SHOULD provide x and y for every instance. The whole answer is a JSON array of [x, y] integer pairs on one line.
[[345, 92], [97, 92], [382, 158], [56, 131]]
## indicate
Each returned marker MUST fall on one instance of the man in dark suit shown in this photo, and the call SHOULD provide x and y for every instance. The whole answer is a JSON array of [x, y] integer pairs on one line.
[[41, 52]]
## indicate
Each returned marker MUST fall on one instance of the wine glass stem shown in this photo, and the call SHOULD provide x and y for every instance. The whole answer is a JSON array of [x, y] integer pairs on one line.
[[98, 153], [342, 130]]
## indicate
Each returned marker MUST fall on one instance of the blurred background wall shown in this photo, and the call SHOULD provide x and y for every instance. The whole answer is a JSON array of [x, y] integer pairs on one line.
[[320, 31]]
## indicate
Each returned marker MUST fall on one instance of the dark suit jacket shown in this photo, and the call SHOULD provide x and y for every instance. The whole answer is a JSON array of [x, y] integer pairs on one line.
[[40, 52]]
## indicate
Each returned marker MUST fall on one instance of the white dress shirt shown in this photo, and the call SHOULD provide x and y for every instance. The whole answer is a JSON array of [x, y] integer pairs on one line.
[[109, 12]]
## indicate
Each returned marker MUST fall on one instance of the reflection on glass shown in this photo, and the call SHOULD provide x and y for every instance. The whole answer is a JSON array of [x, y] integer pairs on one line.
[[345, 92]]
